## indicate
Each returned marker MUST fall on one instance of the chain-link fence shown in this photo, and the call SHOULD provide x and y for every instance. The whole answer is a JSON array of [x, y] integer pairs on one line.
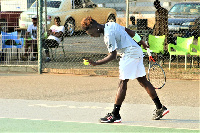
[[77, 45]]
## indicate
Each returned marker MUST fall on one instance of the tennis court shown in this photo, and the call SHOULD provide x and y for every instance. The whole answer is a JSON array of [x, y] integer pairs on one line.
[[74, 103]]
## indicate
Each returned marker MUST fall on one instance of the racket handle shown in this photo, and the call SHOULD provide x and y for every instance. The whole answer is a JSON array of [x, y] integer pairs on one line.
[[148, 52]]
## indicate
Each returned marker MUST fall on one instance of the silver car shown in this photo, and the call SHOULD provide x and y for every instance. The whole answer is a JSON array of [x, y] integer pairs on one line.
[[184, 18]]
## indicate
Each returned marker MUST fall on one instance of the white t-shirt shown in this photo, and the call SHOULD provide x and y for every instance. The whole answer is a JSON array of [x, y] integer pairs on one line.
[[116, 38], [33, 31], [56, 28]]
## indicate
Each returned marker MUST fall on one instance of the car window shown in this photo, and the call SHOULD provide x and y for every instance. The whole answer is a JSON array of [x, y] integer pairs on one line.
[[89, 4], [53, 4], [78, 4], [185, 8]]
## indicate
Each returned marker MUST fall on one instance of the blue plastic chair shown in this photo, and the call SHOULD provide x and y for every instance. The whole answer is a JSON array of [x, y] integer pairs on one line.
[[13, 36]]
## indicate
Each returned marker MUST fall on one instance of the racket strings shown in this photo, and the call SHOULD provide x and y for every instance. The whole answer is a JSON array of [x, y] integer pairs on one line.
[[156, 76]]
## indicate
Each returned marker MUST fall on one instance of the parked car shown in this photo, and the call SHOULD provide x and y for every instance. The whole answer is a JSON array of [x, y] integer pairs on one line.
[[184, 19], [26, 16], [72, 12]]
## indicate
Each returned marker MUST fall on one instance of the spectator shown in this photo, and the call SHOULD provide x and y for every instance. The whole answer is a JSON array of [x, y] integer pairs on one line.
[[31, 39], [161, 22], [55, 34]]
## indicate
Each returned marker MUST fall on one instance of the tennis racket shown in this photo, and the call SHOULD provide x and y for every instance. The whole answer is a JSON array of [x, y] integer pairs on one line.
[[156, 74]]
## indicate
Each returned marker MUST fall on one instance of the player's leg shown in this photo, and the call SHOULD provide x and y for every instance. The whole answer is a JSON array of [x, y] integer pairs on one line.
[[34, 49], [161, 110], [148, 87], [47, 43], [46, 48], [121, 93], [120, 96], [25, 56]]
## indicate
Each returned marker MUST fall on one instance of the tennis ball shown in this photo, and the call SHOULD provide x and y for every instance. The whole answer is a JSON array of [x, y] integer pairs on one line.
[[85, 62]]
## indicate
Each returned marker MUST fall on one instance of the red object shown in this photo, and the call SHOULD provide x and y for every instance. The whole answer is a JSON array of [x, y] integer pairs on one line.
[[10, 20]]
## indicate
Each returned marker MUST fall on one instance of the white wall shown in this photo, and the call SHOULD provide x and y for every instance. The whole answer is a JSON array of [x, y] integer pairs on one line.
[[13, 5]]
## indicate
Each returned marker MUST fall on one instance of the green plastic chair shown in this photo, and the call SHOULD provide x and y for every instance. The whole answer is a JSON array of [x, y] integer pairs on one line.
[[197, 48], [182, 48], [156, 44]]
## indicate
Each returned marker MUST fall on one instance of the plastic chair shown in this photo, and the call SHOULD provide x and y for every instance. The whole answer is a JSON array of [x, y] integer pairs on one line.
[[12, 36], [197, 48], [182, 48], [156, 44]]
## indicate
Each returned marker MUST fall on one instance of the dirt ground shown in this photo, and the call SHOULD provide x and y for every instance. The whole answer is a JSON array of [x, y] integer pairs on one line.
[[67, 87]]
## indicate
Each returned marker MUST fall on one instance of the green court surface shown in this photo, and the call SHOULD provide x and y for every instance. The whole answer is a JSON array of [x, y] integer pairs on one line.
[[26, 125]]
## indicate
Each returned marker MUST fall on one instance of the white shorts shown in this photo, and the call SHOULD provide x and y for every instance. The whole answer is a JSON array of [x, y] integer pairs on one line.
[[131, 64]]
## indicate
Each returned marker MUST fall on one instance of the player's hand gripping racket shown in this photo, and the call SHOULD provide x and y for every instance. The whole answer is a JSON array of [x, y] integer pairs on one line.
[[156, 74]]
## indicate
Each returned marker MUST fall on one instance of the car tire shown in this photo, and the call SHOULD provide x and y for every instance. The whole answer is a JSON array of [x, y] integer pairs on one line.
[[69, 27], [111, 18]]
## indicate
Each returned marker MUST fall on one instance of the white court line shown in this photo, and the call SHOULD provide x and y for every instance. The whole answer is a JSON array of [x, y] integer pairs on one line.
[[120, 124], [48, 106], [72, 107]]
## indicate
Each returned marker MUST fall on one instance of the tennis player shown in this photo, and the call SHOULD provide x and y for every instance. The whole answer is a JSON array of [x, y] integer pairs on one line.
[[119, 38]]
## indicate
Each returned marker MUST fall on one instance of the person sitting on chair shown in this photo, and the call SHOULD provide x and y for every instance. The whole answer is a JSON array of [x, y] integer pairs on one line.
[[31, 39], [55, 34]]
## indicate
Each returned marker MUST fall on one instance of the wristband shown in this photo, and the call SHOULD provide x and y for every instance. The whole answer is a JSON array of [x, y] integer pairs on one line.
[[137, 38]]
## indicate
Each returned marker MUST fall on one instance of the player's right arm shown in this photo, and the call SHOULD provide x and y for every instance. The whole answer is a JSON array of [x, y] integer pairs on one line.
[[112, 55]]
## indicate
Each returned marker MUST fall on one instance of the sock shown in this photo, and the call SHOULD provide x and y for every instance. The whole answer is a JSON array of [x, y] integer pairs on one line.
[[116, 109], [157, 103]]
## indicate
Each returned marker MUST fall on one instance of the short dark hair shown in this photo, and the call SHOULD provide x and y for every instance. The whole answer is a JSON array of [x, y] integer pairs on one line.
[[57, 18], [87, 22]]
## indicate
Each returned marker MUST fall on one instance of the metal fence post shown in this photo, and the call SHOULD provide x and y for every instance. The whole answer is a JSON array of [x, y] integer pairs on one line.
[[127, 13], [45, 12], [40, 10]]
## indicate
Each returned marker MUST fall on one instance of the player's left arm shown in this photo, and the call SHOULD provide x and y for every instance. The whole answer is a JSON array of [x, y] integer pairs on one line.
[[105, 60], [132, 34]]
